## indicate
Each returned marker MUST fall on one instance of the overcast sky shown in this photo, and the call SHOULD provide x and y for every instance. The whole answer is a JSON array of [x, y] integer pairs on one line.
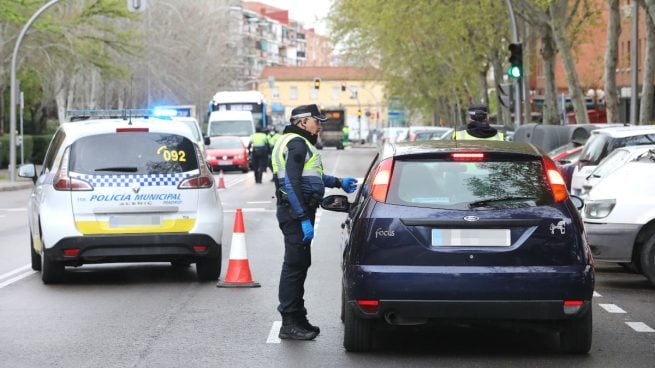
[[307, 12]]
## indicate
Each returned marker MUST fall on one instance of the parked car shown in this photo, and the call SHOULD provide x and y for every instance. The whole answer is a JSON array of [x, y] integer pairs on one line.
[[566, 157], [619, 217], [119, 190], [612, 162], [424, 133], [465, 231], [227, 153], [601, 143]]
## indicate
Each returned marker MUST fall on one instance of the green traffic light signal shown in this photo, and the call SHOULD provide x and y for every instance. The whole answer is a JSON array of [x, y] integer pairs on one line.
[[514, 71]]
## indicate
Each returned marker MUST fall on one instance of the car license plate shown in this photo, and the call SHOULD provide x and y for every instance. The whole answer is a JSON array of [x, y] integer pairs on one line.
[[225, 162], [471, 237], [134, 220]]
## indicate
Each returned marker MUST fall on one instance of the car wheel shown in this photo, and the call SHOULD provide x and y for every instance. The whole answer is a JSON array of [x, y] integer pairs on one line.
[[51, 272], [36, 257], [357, 333], [575, 336], [245, 170], [208, 269], [647, 259]]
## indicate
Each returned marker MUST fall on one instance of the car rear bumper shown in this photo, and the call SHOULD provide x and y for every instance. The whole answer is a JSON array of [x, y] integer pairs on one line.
[[612, 242], [530, 292], [402, 312], [135, 248]]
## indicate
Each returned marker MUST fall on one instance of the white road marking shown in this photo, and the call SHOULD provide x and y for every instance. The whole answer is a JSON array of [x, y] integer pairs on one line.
[[1, 216], [273, 334], [612, 308], [11, 273], [15, 209], [596, 295], [259, 202], [640, 327], [19, 277]]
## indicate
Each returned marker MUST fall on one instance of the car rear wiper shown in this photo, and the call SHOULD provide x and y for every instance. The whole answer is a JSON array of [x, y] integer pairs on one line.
[[119, 169], [483, 202]]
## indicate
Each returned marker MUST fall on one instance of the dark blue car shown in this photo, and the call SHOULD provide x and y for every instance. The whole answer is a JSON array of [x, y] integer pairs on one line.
[[465, 231]]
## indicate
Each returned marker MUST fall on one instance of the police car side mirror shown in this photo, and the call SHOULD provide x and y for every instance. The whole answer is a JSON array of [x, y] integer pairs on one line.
[[27, 171], [336, 203]]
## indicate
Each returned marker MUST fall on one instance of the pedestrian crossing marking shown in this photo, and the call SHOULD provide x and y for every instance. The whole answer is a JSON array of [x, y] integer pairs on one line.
[[640, 327], [273, 334], [612, 308]]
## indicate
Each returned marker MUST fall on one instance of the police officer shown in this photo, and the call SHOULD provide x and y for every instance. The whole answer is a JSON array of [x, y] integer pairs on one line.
[[478, 125], [273, 136], [300, 184], [258, 147]]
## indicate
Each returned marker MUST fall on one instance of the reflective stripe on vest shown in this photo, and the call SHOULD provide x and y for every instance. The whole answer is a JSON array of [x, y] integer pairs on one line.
[[464, 135], [259, 140], [313, 165]]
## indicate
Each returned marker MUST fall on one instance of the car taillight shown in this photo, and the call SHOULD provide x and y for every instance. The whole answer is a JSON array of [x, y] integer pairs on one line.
[[204, 180], [62, 181], [556, 181], [381, 180], [467, 156], [369, 306]]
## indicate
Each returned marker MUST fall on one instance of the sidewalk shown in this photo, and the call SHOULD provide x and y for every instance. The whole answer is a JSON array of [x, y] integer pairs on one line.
[[7, 185]]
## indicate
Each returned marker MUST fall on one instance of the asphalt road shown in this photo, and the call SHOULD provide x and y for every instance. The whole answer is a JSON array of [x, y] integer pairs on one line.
[[154, 315]]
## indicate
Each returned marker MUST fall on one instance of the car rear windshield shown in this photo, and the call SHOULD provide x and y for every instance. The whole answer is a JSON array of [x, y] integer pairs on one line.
[[133, 153], [226, 143], [241, 128], [464, 185]]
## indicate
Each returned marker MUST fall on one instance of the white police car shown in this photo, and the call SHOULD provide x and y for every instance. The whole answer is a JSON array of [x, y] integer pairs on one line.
[[115, 188]]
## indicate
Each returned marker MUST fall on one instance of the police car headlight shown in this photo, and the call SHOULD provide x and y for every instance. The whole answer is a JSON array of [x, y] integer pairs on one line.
[[598, 209]]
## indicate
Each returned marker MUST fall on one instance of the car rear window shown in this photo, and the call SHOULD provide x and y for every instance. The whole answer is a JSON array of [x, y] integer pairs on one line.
[[449, 184], [226, 143], [133, 153]]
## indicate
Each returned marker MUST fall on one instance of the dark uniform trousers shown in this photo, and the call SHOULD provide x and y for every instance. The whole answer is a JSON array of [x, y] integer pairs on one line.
[[260, 160], [297, 259]]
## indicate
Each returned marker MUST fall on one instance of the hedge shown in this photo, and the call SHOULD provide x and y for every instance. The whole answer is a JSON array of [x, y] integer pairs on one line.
[[34, 150]]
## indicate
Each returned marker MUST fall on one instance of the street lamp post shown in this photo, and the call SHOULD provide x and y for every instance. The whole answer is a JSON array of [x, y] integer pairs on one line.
[[13, 92]]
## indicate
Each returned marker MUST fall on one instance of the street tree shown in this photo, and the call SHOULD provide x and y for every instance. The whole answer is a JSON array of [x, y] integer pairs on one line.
[[611, 61]]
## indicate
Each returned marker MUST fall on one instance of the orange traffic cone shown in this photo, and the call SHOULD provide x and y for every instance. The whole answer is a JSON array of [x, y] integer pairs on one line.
[[238, 270], [221, 181]]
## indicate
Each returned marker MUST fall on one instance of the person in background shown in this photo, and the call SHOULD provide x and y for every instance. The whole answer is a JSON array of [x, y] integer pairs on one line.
[[258, 147], [478, 125]]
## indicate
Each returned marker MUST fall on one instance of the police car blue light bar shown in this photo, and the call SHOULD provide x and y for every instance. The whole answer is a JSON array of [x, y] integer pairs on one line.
[[79, 115]]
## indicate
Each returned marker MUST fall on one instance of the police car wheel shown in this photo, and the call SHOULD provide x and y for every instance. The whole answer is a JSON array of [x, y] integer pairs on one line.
[[208, 269], [648, 259], [51, 272], [36, 257]]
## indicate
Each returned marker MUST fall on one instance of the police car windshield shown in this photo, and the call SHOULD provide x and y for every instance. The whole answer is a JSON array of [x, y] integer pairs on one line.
[[134, 152]]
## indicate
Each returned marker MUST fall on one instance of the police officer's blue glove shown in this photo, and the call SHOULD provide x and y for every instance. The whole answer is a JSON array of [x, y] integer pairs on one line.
[[349, 185], [307, 230]]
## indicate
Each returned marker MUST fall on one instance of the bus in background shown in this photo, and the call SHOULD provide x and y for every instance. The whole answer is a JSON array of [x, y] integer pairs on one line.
[[252, 101], [331, 134]]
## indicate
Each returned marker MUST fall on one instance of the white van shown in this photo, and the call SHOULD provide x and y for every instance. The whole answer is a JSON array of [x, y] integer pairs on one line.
[[233, 123]]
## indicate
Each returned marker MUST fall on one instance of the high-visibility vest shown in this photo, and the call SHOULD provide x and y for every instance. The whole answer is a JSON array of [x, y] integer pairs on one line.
[[259, 140], [313, 165], [273, 138], [464, 135]]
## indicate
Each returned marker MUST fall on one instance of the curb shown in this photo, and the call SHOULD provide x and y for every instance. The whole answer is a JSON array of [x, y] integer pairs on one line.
[[6, 186]]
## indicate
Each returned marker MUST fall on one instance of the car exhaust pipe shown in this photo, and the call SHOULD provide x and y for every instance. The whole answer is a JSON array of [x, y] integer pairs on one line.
[[396, 320]]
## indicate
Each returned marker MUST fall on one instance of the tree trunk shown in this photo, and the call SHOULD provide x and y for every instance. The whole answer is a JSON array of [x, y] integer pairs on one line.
[[557, 15], [611, 60], [2, 110], [484, 86], [550, 114], [646, 108]]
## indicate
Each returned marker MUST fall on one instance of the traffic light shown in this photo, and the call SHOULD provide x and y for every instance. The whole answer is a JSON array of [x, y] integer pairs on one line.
[[343, 86], [515, 60], [317, 83], [359, 115]]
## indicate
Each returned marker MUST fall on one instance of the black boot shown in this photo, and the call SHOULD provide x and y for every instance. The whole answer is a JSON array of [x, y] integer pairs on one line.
[[293, 329], [302, 319]]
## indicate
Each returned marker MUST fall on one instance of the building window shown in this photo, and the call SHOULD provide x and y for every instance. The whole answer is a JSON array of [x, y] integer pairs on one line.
[[293, 93], [336, 91], [313, 94], [276, 92]]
